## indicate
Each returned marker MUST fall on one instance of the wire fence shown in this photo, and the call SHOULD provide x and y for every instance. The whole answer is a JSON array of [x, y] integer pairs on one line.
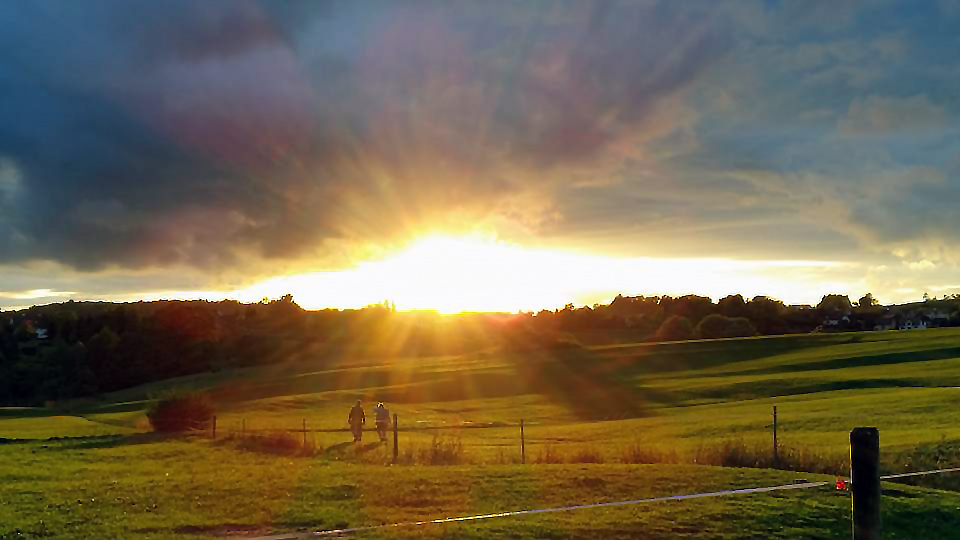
[[863, 483], [530, 443], [841, 484]]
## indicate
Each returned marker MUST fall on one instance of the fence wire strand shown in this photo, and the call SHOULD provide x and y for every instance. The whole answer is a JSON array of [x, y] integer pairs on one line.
[[922, 473], [724, 493], [576, 507]]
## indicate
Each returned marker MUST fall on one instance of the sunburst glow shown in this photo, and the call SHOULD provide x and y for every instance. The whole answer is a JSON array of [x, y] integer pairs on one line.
[[454, 274]]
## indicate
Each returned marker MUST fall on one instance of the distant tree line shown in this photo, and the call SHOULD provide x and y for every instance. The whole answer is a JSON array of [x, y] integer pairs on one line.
[[666, 318], [78, 349], [81, 349]]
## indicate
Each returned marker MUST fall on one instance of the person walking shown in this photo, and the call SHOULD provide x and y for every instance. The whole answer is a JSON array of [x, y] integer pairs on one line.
[[383, 421], [357, 420]]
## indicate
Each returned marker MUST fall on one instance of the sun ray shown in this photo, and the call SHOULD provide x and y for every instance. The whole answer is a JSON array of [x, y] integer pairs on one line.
[[449, 274]]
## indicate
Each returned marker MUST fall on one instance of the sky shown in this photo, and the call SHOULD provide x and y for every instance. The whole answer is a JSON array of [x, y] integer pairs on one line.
[[513, 155]]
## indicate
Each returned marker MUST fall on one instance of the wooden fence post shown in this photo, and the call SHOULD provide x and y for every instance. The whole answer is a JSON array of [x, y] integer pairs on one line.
[[395, 449], [523, 447], [304, 432], [776, 447], [214, 427], [865, 477]]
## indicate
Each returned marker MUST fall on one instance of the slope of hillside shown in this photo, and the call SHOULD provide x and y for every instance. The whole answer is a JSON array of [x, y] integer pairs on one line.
[[598, 404], [682, 393]]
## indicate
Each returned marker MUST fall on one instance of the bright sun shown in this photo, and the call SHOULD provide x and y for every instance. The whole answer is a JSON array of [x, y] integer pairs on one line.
[[456, 274], [446, 274]]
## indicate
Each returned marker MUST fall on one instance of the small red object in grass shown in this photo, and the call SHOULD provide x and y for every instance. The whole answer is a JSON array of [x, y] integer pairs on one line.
[[841, 485]]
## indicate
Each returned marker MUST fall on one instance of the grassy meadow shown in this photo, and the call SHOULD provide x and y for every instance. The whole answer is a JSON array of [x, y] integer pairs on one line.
[[672, 403]]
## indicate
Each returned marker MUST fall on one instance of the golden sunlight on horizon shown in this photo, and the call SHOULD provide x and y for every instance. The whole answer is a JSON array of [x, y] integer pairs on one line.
[[456, 274]]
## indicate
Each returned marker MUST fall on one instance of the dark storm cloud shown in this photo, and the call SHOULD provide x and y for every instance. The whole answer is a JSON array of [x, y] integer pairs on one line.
[[147, 134]]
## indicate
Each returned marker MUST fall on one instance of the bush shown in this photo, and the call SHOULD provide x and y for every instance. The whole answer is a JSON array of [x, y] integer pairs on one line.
[[676, 328], [718, 326], [179, 412]]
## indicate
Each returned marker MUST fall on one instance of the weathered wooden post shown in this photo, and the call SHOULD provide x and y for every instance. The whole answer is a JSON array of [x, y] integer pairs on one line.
[[304, 432], [214, 427], [865, 477], [776, 447], [523, 449], [395, 448]]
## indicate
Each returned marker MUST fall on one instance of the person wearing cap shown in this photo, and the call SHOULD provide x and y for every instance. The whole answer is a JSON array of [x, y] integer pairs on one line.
[[356, 420], [383, 421]]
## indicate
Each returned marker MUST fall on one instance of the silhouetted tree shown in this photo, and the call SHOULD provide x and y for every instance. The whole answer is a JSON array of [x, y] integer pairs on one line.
[[693, 307], [103, 353], [834, 304], [732, 306], [765, 314]]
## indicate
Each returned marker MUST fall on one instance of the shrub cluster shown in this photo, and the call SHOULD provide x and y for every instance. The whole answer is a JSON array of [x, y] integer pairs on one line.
[[178, 412]]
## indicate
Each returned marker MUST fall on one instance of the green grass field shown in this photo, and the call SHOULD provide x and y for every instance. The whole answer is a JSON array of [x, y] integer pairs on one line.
[[671, 397]]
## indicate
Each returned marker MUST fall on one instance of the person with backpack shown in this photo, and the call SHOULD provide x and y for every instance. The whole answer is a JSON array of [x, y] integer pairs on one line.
[[357, 420], [383, 421]]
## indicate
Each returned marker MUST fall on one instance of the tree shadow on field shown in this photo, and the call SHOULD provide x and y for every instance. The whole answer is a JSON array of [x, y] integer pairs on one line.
[[862, 361], [27, 412], [107, 441], [341, 449], [247, 530], [592, 388], [364, 448]]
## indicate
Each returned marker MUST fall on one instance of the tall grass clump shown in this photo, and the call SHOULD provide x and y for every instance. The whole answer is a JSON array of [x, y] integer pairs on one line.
[[737, 453], [926, 457], [442, 451], [274, 442], [586, 455], [504, 458], [549, 454], [640, 455], [180, 411]]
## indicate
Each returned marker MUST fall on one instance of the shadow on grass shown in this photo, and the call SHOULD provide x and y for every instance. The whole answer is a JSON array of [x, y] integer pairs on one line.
[[341, 449], [124, 407], [785, 387], [860, 361], [592, 387], [94, 442], [28, 412], [244, 530], [673, 357]]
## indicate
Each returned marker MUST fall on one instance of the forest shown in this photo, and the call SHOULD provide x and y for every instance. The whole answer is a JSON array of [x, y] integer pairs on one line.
[[83, 349]]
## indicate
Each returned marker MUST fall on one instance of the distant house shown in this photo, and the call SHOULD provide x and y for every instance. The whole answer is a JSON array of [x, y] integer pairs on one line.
[[837, 321], [913, 321]]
